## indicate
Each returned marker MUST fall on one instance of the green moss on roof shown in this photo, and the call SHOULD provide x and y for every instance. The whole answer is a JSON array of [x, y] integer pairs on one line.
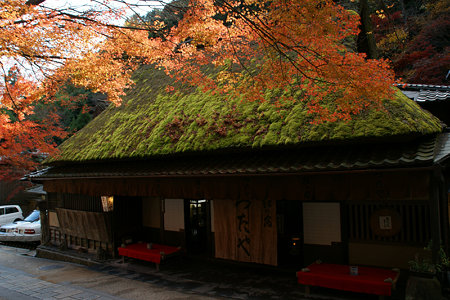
[[153, 122]]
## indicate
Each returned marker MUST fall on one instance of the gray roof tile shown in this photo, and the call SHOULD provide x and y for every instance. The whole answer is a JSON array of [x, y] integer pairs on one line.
[[425, 92]]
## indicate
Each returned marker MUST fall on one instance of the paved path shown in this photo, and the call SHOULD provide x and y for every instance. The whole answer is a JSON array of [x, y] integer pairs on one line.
[[16, 284], [23, 276]]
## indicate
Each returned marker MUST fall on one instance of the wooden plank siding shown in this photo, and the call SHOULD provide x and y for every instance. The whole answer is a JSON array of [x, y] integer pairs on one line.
[[86, 225]]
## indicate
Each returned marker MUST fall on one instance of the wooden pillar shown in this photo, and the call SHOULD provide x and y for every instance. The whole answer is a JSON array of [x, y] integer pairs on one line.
[[45, 226], [209, 238], [161, 220], [445, 212]]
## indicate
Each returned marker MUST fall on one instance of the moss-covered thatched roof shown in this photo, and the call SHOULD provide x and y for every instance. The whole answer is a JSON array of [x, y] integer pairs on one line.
[[153, 122]]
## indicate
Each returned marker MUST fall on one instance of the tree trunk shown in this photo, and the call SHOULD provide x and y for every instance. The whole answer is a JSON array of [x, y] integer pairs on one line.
[[366, 40]]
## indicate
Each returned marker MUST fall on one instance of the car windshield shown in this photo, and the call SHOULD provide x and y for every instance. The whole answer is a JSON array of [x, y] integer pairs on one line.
[[34, 216]]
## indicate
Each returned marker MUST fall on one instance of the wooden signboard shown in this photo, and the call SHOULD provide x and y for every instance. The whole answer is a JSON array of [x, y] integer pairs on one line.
[[245, 230]]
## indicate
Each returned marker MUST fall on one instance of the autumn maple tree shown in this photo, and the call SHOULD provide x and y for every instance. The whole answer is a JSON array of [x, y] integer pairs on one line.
[[242, 47], [414, 36]]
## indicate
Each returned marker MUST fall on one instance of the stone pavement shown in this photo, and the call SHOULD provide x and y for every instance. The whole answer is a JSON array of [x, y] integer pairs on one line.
[[23, 276], [15, 284]]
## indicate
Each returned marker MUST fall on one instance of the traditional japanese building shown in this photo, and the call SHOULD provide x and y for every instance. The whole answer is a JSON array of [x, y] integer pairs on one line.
[[434, 98], [245, 181]]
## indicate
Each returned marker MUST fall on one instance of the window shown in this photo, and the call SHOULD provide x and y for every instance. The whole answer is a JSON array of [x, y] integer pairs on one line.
[[33, 217], [11, 210], [2, 211], [107, 203]]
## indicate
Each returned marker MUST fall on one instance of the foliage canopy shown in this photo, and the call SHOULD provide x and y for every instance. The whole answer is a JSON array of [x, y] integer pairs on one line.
[[296, 49]]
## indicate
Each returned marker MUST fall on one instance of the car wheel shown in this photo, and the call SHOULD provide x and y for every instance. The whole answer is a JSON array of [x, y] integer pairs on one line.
[[18, 219]]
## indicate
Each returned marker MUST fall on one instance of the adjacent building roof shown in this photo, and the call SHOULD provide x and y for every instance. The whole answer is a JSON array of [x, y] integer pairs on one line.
[[425, 92], [153, 122]]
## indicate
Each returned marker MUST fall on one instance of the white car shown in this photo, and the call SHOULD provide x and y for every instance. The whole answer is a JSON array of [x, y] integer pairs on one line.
[[28, 230], [10, 213]]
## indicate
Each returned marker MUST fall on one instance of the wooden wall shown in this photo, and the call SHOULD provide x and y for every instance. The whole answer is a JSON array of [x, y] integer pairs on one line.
[[383, 255], [83, 224], [151, 212], [364, 186], [245, 230]]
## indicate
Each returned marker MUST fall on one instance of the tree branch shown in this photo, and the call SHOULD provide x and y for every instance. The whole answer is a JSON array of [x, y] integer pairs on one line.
[[34, 2]]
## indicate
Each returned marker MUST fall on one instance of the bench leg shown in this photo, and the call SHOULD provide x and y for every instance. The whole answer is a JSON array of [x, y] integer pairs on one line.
[[307, 290], [380, 297], [157, 267]]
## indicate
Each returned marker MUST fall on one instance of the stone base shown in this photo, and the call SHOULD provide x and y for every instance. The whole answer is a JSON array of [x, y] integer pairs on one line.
[[419, 288]]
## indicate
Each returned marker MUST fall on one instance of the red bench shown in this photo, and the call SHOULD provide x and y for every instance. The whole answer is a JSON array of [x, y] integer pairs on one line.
[[149, 252], [369, 280]]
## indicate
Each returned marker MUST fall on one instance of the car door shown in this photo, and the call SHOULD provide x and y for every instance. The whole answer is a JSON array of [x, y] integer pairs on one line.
[[10, 214]]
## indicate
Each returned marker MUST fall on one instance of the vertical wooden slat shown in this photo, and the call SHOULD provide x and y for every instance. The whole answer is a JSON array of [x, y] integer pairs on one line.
[[420, 222], [350, 221], [427, 222], [361, 222], [409, 222], [366, 223], [414, 232], [401, 235], [396, 208], [370, 235]]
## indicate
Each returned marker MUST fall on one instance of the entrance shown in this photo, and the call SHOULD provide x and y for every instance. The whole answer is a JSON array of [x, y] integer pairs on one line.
[[289, 232], [197, 226], [127, 218]]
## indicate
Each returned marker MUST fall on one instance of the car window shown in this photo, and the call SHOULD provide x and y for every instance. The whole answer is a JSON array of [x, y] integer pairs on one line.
[[11, 210], [34, 216], [2, 211]]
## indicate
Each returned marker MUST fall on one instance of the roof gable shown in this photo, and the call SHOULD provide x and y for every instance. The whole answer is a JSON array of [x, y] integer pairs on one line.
[[152, 122]]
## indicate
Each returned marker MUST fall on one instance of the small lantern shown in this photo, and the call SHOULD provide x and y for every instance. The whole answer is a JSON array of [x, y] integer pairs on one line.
[[294, 246]]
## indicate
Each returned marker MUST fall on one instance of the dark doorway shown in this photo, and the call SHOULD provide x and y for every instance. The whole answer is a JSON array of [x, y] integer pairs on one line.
[[127, 219], [197, 225], [289, 232]]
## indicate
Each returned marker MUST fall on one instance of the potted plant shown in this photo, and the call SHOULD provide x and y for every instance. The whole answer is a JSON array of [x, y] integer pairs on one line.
[[443, 266], [422, 267]]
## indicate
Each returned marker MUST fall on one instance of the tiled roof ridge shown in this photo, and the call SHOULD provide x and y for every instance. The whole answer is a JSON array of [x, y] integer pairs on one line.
[[418, 86]]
